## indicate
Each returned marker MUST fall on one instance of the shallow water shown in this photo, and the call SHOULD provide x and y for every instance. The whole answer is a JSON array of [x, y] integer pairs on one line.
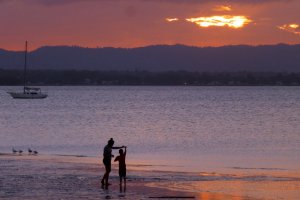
[[71, 177], [170, 128]]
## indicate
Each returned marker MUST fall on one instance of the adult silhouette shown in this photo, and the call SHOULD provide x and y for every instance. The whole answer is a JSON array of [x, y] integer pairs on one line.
[[107, 155]]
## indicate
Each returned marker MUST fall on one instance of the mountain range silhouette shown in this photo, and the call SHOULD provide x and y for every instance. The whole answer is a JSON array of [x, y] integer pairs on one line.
[[269, 58]]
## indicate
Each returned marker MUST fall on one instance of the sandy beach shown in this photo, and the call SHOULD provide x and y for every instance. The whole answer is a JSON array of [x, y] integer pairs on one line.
[[77, 177]]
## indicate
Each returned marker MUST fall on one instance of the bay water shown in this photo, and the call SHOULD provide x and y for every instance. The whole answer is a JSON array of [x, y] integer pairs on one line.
[[184, 128]]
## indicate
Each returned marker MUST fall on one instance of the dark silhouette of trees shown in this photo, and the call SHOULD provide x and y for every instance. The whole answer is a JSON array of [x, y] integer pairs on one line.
[[85, 77]]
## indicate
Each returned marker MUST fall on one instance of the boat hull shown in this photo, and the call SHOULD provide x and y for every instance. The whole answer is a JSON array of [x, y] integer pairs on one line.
[[17, 95]]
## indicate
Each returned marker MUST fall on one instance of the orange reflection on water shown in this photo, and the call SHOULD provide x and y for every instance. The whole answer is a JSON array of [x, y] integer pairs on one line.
[[221, 21], [217, 196], [245, 190]]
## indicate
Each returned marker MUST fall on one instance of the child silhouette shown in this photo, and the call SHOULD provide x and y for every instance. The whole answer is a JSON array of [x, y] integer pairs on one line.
[[122, 165]]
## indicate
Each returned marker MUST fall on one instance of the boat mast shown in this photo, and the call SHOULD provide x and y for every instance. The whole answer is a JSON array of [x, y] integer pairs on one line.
[[25, 67]]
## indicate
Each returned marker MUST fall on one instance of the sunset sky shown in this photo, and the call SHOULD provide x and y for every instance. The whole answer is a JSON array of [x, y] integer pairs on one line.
[[135, 23]]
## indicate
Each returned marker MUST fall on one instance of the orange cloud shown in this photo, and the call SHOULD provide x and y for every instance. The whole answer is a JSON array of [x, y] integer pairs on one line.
[[292, 28], [172, 19], [221, 21], [223, 8]]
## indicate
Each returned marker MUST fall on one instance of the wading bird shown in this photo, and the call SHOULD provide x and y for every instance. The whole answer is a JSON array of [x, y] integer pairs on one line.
[[29, 151], [14, 151]]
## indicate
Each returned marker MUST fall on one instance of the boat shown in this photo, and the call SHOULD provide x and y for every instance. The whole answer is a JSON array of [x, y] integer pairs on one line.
[[28, 92]]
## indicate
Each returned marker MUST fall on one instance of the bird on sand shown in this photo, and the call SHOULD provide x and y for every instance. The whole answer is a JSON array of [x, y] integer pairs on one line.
[[35, 152], [29, 151], [14, 151]]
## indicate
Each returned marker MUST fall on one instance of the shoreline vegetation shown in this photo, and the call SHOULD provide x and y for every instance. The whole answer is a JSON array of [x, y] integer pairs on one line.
[[147, 78], [72, 177]]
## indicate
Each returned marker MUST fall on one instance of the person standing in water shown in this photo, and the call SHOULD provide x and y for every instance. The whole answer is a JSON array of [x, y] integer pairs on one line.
[[122, 165], [107, 155]]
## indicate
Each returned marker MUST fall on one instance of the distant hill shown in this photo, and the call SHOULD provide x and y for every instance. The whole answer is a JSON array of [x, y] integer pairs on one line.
[[275, 58]]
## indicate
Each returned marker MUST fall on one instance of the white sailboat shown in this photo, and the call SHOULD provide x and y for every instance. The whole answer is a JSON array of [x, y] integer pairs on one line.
[[28, 92]]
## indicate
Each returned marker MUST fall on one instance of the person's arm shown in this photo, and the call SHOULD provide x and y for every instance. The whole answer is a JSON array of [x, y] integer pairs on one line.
[[118, 147], [116, 159], [125, 151]]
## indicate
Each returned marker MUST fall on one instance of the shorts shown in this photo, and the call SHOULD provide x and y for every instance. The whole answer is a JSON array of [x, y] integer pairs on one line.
[[107, 164], [122, 172]]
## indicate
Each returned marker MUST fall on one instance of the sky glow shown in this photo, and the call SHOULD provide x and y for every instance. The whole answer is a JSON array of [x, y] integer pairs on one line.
[[136, 23], [221, 21], [223, 8], [172, 19], [292, 28]]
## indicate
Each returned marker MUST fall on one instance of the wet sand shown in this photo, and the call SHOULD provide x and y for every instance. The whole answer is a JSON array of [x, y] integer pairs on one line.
[[69, 177], [76, 177]]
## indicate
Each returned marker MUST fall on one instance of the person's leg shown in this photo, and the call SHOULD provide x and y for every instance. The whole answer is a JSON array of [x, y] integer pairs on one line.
[[120, 175], [124, 183], [102, 181], [106, 174], [108, 169], [124, 176], [104, 177]]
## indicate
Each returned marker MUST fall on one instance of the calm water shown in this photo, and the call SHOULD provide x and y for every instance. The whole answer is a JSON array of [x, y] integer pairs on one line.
[[187, 128]]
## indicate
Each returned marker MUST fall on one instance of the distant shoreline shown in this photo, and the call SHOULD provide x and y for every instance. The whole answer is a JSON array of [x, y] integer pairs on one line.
[[148, 78]]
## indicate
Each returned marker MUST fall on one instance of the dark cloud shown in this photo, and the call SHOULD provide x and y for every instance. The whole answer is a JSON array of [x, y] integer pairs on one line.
[[218, 1], [47, 2], [60, 2], [57, 2]]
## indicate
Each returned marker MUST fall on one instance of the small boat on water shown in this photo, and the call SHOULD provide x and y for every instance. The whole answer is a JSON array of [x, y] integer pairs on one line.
[[28, 92]]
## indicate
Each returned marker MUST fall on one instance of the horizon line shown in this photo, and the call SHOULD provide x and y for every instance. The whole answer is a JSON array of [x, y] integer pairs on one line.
[[152, 45]]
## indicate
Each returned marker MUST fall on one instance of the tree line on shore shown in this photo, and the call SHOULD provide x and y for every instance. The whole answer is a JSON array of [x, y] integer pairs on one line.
[[85, 77]]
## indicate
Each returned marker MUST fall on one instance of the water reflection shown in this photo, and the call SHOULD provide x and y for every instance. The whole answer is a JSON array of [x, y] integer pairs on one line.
[[216, 196]]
